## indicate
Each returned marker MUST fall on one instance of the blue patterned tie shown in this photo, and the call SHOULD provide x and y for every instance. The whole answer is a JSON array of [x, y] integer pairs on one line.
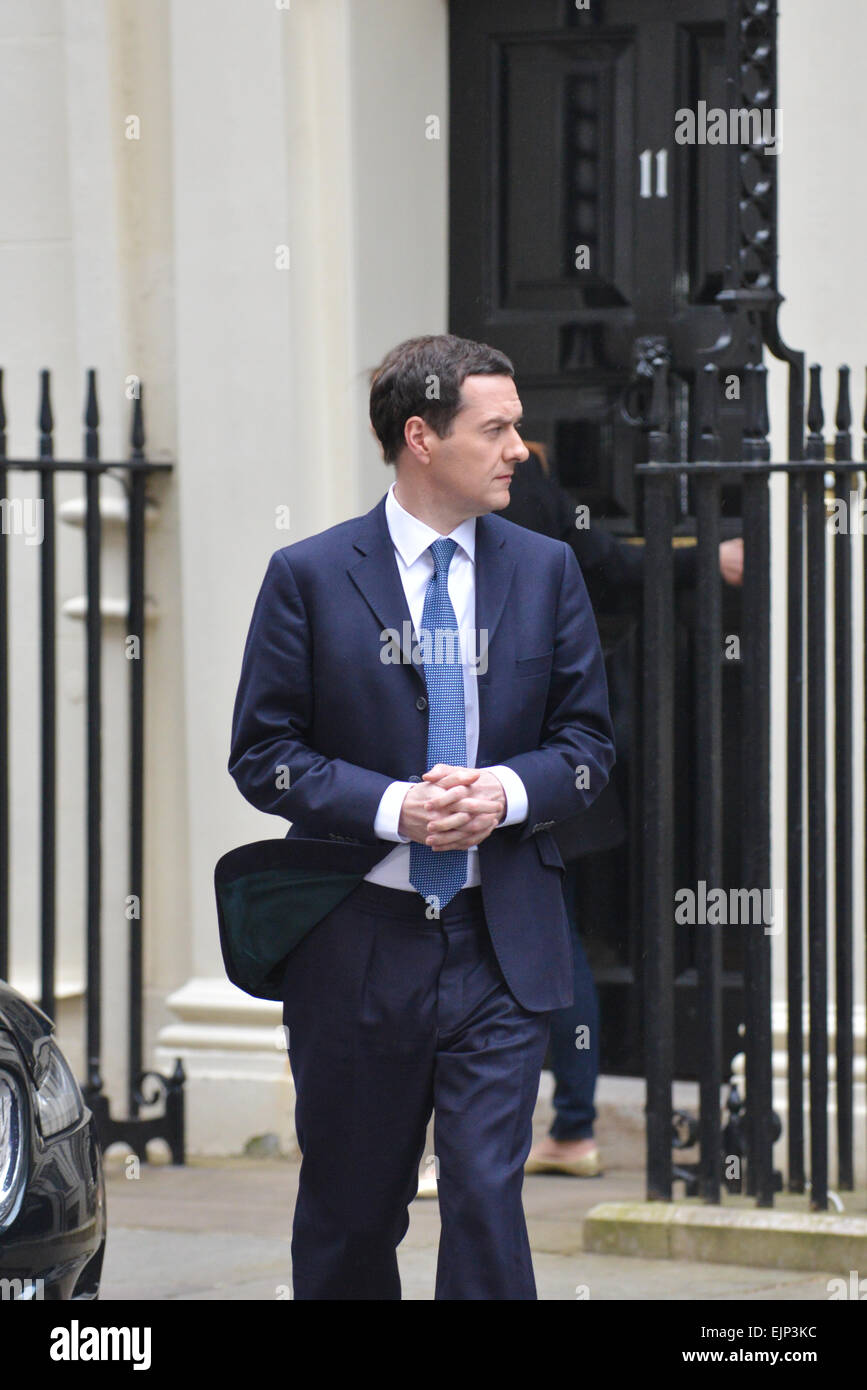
[[443, 872]]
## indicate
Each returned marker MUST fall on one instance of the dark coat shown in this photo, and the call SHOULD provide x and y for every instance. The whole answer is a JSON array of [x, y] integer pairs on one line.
[[614, 574]]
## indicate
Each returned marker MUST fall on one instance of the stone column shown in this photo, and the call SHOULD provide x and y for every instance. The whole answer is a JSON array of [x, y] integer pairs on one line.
[[291, 278]]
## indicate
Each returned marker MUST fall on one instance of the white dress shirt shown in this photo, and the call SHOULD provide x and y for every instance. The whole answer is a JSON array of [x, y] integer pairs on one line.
[[412, 540]]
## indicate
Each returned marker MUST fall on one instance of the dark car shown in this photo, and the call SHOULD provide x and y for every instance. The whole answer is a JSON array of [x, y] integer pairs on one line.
[[52, 1192]]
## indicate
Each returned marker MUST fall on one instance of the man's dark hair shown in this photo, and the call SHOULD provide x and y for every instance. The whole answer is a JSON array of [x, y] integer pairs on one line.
[[424, 376]]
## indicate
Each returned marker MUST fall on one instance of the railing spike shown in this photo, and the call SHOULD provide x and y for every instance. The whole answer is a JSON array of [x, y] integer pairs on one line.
[[708, 412], [756, 448], [137, 435], [659, 443], [46, 417], [92, 409], [844, 409], [843, 418], [815, 418], [91, 418]]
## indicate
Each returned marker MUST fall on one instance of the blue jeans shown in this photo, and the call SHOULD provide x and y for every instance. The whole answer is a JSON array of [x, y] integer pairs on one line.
[[574, 1044]]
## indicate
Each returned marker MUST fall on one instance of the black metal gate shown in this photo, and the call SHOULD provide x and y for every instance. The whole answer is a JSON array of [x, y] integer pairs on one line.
[[752, 1126], [144, 1088], [585, 239]]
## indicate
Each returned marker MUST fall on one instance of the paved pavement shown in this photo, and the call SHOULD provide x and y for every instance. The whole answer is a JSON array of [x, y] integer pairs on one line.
[[220, 1229]]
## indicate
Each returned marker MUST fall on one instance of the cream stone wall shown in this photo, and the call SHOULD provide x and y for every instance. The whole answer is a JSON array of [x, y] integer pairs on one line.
[[245, 255], [86, 281]]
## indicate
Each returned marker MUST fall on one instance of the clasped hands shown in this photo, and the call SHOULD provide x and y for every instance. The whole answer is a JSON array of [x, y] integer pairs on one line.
[[452, 807]]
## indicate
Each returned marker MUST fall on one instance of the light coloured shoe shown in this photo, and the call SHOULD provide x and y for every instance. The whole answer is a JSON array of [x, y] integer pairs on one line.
[[589, 1165], [427, 1185]]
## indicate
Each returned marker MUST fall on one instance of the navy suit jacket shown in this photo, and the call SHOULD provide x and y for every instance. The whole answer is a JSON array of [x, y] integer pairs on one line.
[[316, 698]]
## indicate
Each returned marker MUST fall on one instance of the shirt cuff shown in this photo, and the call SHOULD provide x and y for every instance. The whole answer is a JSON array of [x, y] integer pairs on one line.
[[517, 802], [388, 814]]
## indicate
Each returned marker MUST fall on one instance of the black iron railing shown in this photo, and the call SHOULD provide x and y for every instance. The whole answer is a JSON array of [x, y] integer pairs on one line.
[[752, 1126], [132, 473]]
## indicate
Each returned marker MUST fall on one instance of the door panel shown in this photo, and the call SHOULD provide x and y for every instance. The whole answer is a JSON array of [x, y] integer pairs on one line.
[[567, 162], [579, 226]]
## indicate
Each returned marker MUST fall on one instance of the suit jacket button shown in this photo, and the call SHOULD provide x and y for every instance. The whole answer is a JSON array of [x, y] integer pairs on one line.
[[414, 778], [421, 702]]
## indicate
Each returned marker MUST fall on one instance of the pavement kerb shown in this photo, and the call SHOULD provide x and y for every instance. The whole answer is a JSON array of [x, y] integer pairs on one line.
[[718, 1235]]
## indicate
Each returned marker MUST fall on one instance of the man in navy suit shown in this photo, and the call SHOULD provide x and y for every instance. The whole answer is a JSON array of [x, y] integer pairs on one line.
[[427, 680]]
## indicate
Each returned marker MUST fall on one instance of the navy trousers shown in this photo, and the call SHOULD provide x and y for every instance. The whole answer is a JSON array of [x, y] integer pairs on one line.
[[390, 1016]]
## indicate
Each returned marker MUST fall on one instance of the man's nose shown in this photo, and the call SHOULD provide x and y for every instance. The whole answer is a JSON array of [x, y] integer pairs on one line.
[[517, 449]]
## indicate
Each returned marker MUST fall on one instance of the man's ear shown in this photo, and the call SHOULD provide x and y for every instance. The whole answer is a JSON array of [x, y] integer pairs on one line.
[[416, 432]]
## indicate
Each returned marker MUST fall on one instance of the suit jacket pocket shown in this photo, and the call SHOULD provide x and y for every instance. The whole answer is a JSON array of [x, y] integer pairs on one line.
[[548, 851], [534, 665]]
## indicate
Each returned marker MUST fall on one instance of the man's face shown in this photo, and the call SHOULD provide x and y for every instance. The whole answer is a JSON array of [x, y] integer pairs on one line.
[[472, 467]]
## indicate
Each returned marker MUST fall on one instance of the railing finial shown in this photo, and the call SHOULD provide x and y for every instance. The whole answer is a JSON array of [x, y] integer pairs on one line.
[[815, 417], [756, 421], [46, 416], [707, 385], [137, 434], [843, 418], [659, 442], [91, 418]]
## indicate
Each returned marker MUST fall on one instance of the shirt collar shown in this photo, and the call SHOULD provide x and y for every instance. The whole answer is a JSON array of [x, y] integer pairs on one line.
[[412, 537]]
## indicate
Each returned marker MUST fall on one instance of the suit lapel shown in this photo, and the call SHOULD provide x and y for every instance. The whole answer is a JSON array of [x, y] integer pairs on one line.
[[375, 575], [494, 571]]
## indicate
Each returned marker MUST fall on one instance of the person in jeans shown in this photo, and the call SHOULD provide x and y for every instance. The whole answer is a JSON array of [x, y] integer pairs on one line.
[[614, 574]]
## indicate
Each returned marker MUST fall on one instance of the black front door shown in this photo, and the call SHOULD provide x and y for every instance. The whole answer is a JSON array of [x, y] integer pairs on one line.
[[582, 236]]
